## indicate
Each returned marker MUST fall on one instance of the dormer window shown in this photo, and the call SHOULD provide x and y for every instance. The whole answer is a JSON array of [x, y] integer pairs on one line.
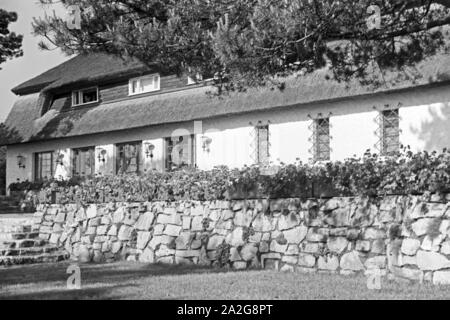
[[144, 84], [195, 80], [85, 96]]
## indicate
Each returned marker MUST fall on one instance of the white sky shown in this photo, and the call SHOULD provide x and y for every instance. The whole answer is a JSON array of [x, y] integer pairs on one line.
[[34, 60]]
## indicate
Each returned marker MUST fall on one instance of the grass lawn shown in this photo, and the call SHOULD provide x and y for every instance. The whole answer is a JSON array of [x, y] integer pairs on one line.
[[141, 281]]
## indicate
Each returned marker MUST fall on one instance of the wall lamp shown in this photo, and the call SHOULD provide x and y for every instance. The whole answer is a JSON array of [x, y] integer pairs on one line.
[[21, 161], [149, 148], [59, 159], [101, 155], [206, 143]]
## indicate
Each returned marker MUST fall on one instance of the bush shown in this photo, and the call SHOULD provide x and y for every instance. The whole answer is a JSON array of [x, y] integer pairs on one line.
[[371, 175]]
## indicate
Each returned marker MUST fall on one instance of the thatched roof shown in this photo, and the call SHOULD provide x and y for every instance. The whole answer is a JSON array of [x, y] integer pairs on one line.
[[82, 68], [28, 124]]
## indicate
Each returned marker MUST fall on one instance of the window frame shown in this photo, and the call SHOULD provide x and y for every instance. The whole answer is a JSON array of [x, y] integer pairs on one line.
[[318, 128], [79, 93], [139, 157], [91, 149], [387, 139], [38, 165], [168, 167], [193, 81], [139, 79], [261, 159]]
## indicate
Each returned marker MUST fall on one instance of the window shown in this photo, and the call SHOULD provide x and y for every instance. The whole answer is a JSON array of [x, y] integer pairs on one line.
[[45, 165], [129, 157], [84, 162], [198, 78], [262, 155], [180, 152], [144, 84], [85, 96], [321, 140], [389, 123]]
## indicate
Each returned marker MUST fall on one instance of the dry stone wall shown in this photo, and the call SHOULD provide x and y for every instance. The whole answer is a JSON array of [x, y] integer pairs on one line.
[[403, 236]]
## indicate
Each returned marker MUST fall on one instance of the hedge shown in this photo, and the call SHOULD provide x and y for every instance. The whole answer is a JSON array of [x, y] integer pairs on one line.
[[370, 175]]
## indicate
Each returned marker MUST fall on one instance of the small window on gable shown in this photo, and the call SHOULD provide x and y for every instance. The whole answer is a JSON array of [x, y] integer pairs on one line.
[[144, 84], [84, 96]]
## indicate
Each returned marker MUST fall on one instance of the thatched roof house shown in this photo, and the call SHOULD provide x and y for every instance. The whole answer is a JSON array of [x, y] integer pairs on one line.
[[45, 109]]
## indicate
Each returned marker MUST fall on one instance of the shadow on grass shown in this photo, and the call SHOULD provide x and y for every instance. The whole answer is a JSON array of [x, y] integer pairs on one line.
[[45, 281], [101, 293]]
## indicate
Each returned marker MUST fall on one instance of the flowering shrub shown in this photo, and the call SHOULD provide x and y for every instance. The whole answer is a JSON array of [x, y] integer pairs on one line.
[[371, 175]]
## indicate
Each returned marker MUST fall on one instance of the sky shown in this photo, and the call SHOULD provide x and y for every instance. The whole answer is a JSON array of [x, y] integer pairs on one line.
[[34, 60]]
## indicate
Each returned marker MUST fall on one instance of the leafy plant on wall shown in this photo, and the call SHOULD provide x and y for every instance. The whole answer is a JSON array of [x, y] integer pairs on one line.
[[371, 176]]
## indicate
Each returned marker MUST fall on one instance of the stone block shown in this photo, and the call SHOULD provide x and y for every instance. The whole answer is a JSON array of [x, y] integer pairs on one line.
[[145, 221], [337, 245], [410, 246], [351, 261], [295, 235], [91, 211], [172, 230], [330, 263], [289, 221], [142, 239], [432, 261], [249, 252], [306, 260], [125, 233]]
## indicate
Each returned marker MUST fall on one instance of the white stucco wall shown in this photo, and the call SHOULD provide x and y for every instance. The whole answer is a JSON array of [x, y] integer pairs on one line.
[[424, 126], [13, 172], [289, 142], [352, 134], [229, 147]]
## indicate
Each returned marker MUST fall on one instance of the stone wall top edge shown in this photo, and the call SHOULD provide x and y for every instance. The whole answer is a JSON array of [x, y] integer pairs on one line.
[[430, 199]]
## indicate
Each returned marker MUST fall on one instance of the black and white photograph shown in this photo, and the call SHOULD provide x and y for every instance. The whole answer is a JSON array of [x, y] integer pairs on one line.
[[233, 153]]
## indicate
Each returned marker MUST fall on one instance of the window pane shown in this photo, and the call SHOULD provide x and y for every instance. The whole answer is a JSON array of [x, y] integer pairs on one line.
[[262, 144], [144, 84], [147, 84], [321, 139], [44, 165], [179, 152], [129, 157], [89, 96], [84, 162], [134, 86], [390, 132], [76, 98]]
